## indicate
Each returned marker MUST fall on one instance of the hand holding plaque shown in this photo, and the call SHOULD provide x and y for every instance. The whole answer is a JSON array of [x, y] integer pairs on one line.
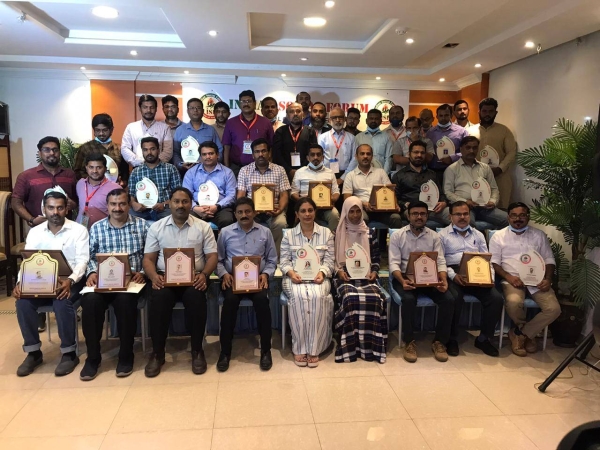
[[114, 272], [39, 275], [246, 274], [383, 198], [476, 270], [208, 194], [481, 191], [320, 193], [430, 194], [146, 192], [358, 262], [422, 269], [189, 150], [532, 268], [307, 263], [489, 155], [112, 169], [263, 196], [179, 266]]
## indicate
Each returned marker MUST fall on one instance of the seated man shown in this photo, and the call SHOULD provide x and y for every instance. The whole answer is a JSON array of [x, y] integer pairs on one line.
[[118, 233], [458, 182], [221, 214], [316, 171], [457, 239], [57, 233], [179, 230], [245, 238], [401, 148], [415, 237], [262, 172], [507, 246], [360, 181]]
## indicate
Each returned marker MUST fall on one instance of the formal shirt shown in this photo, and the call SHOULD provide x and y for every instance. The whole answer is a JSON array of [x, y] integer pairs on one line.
[[500, 138], [113, 150], [361, 184], [238, 130], [94, 197], [130, 239], [459, 177], [321, 240], [403, 242], [455, 244], [73, 239], [394, 135], [330, 142], [287, 141], [223, 178], [408, 184], [195, 234], [467, 125], [202, 134], [165, 176], [274, 174], [131, 149], [455, 133], [305, 175], [234, 241], [219, 129], [318, 132], [506, 247], [32, 183], [381, 145]]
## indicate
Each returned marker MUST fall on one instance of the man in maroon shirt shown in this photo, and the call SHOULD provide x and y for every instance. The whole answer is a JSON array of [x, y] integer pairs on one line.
[[241, 130]]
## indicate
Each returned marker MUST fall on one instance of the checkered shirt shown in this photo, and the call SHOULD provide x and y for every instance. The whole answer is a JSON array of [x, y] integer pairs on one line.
[[165, 176], [275, 174]]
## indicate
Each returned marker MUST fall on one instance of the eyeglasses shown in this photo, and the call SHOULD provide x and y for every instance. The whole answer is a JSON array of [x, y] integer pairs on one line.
[[195, 108], [419, 214], [461, 214], [518, 216], [50, 150]]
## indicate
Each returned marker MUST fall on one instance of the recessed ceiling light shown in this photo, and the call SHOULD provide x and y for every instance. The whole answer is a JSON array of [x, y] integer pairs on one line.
[[283, 75], [105, 12], [477, 65], [82, 68], [378, 78], [529, 44], [442, 80], [314, 21], [212, 33], [133, 52], [186, 72], [329, 4], [303, 59], [410, 41]]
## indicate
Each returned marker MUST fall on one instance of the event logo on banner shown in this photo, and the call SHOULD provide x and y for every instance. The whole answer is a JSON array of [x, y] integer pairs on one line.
[[209, 101], [384, 106]]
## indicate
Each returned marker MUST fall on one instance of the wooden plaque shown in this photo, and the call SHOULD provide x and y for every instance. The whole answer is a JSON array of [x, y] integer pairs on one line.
[[246, 274], [320, 193], [263, 196], [114, 272], [383, 198], [476, 269], [422, 269], [180, 266], [39, 275]]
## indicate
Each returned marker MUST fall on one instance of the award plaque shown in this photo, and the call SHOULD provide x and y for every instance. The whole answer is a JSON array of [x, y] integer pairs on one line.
[[383, 198], [422, 269], [208, 194], [481, 191], [246, 274], [39, 275], [320, 193], [430, 194], [307, 263], [146, 193], [532, 268], [489, 155], [114, 272], [445, 147], [179, 266], [263, 196], [476, 270], [112, 170], [358, 262], [189, 150]]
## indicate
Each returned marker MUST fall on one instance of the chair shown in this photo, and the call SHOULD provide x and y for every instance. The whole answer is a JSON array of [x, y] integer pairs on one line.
[[5, 211], [47, 309], [141, 306]]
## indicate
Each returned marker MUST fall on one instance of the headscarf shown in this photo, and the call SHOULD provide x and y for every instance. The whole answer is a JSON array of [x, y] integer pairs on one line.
[[347, 233]]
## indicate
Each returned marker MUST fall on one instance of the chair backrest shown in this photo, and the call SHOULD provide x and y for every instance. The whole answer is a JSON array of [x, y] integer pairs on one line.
[[4, 221], [393, 230], [490, 233]]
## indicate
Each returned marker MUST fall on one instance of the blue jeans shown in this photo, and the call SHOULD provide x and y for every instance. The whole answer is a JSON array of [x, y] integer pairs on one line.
[[495, 216]]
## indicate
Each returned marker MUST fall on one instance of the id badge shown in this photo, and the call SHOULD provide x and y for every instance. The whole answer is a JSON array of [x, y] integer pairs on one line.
[[334, 165], [295, 159], [85, 220], [247, 148]]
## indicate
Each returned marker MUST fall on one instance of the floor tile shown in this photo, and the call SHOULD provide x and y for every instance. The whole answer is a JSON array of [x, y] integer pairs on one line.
[[474, 360], [12, 402], [159, 440], [53, 443], [328, 368], [289, 437], [177, 370], [426, 363]]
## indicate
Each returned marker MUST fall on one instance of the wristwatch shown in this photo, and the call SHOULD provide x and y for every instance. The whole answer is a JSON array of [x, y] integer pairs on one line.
[[72, 281]]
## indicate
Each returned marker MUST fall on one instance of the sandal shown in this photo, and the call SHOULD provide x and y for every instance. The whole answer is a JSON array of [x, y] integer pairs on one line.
[[300, 360], [312, 361]]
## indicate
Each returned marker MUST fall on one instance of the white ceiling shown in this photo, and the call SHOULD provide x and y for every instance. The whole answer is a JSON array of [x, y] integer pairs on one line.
[[264, 38]]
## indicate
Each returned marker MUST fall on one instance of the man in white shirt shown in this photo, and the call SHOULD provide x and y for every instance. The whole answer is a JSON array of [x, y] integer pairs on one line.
[[57, 233], [316, 171], [511, 250], [131, 149]]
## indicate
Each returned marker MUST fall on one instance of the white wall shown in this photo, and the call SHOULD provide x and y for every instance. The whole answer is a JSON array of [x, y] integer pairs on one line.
[[44, 107]]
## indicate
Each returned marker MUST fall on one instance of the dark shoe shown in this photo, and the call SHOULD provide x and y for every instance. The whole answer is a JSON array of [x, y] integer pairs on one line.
[[266, 362], [32, 360], [154, 364], [198, 362], [452, 347], [67, 364], [90, 370], [124, 368], [486, 347], [223, 363], [41, 322]]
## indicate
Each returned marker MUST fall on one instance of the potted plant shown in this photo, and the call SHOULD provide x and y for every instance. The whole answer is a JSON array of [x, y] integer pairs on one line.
[[561, 170]]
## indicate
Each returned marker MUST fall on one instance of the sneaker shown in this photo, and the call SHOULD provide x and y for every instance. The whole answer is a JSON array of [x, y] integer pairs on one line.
[[67, 364], [41, 322], [452, 347], [487, 347], [530, 345], [90, 370], [410, 352], [124, 368], [32, 360], [517, 343], [439, 351], [154, 364]]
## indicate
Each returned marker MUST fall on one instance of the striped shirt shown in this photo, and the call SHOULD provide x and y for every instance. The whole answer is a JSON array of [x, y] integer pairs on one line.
[[165, 176], [274, 174], [455, 244]]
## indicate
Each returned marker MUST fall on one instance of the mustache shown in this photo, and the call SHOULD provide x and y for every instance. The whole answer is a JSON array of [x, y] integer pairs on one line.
[[180, 210]]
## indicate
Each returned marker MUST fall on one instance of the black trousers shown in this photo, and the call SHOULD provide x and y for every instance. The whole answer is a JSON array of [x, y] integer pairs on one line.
[[231, 303], [444, 301], [93, 306], [161, 306]]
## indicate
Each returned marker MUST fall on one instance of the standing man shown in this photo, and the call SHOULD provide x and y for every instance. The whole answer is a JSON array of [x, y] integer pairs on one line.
[[461, 113], [269, 109], [57, 233], [261, 172], [318, 114], [401, 149], [415, 237], [222, 113], [170, 107], [508, 248], [459, 179], [131, 149], [241, 130], [221, 213], [118, 233], [352, 121], [377, 140], [338, 144], [92, 191], [179, 230], [457, 239], [426, 116], [501, 139], [395, 129], [245, 238], [196, 129], [302, 98], [164, 176]]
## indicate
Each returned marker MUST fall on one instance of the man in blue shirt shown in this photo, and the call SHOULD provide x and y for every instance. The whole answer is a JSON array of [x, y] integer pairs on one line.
[[221, 212], [245, 238]]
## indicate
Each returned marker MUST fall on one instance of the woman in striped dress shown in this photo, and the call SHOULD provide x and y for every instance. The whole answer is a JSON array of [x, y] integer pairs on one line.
[[361, 319], [310, 303]]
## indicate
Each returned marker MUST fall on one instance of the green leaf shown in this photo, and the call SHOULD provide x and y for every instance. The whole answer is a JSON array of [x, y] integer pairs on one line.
[[585, 282]]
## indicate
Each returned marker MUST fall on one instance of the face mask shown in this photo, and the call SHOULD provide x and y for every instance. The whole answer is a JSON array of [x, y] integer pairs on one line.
[[468, 227], [396, 122], [510, 227], [312, 166], [444, 127], [109, 140], [373, 130], [274, 119]]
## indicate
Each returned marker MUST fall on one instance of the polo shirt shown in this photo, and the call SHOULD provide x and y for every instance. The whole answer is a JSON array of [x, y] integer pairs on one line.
[[238, 130]]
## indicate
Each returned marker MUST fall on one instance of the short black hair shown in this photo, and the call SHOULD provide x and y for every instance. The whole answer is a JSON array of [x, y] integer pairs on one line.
[[457, 204], [315, 145], [102, 119], [244, 201], [98, 157], [460, 102], [247, 93], [516, 205], [47, 139], [221, 104], [209, 144], [150, 139], [181, 189], [147, 98], [302, 92], [375, 111], [444, 107], [194, 99], [363, 145], [417, 143], [304, 200], [170, 98], [353, 110], [117, 193], [413, 119], [417, 204], [320, 103], [398, 106], [260, 141], [268, 99], [489, 101], [467, 139], [55, 194]]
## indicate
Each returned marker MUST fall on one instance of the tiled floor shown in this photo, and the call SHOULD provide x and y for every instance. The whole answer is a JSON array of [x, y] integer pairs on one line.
[[470, 402]]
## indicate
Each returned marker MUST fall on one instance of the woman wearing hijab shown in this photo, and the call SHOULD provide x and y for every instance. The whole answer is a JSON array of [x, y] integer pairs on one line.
[[361, 319], [310, 303]]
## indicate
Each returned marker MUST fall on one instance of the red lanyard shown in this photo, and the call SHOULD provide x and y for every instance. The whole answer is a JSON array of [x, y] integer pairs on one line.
[[336, 144], [295, 139], [89, 197], [396, 136], [251, 125]]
